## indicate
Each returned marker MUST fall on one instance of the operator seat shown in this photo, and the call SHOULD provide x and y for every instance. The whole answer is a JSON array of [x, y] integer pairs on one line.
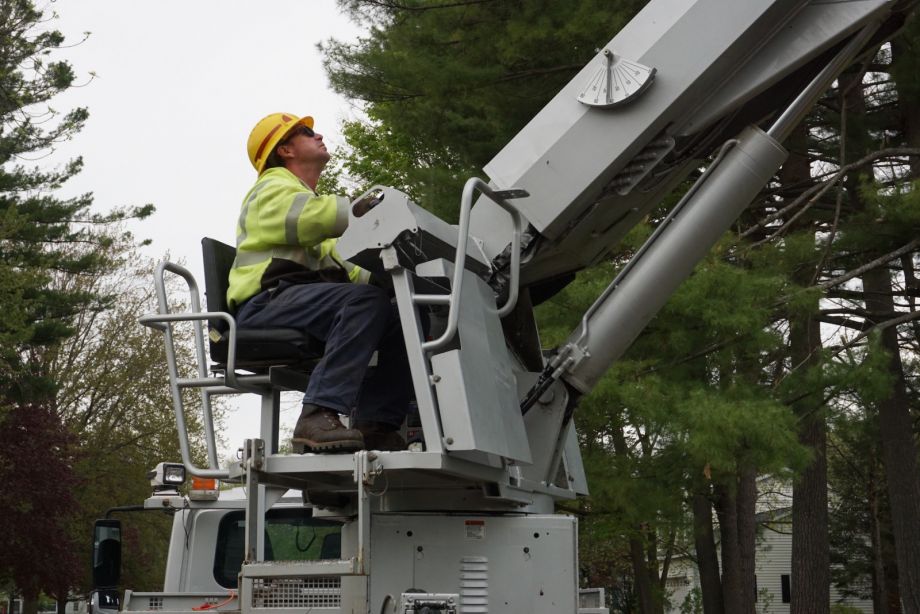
[[257, 349]]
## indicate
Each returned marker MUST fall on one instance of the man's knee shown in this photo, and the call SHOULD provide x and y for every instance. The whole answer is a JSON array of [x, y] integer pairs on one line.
[[371, 298]]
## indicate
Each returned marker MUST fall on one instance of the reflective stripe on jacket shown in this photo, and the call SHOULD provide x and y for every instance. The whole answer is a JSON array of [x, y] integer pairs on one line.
[[283, 218]]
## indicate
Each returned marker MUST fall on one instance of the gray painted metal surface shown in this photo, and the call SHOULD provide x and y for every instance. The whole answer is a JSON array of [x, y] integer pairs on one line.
[[818, 27], [498, 565], [477, 391], [568, 153], [572, 158], [418, 235]]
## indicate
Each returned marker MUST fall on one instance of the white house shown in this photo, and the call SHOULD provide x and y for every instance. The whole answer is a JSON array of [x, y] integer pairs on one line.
[[772, 564]]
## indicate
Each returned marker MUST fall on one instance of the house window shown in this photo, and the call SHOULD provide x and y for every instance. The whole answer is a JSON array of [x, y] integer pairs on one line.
[[784, 587]]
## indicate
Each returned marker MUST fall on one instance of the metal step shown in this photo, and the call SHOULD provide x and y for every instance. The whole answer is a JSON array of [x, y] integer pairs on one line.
[[294, 586]]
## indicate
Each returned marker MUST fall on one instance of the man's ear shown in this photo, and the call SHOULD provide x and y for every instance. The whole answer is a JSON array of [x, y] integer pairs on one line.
[[284, 152]]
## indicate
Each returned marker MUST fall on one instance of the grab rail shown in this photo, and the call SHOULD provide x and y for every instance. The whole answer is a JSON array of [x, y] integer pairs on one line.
[[499, 197], [162, 321]]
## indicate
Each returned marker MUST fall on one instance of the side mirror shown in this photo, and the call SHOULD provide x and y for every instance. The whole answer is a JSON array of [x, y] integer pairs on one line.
[[106, 553]]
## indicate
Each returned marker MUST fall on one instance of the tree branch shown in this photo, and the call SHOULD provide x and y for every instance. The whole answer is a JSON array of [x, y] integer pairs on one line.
[[810, 196]]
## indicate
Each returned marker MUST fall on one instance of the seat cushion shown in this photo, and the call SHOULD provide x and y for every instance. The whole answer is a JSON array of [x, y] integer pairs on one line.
[[278, 346]]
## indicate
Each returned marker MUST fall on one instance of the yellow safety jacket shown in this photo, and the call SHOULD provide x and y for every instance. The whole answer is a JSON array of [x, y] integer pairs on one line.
[[287, 231]]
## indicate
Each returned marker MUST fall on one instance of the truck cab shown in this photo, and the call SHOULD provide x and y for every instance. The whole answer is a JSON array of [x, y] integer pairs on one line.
[[207, 546]]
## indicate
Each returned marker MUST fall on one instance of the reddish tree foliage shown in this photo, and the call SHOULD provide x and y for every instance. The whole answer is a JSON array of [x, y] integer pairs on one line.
[[38, 506]]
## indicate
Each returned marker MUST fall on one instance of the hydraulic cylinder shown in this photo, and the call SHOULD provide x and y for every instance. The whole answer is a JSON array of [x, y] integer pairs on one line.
[[715, 202]]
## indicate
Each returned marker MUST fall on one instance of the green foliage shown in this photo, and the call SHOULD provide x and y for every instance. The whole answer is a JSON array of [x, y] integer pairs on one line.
[[39, 233], [447, 84], [855, 469], [111, 379], [693, 602], [765, 598], [741, 427]]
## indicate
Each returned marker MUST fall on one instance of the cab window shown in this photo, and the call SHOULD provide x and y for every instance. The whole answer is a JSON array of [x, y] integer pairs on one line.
[[290, 535]]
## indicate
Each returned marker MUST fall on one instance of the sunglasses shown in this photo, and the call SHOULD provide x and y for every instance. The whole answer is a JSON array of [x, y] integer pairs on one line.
[[307, 131]]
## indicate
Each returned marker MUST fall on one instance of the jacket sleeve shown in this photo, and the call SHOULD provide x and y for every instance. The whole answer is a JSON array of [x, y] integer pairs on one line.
[[291, 215], [356, 274]]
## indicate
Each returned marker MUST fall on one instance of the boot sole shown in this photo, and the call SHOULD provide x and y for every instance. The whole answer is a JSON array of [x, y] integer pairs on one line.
[[302, 446]]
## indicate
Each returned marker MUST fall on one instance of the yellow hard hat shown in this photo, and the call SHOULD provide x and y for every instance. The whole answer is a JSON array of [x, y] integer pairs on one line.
[[270, 130]]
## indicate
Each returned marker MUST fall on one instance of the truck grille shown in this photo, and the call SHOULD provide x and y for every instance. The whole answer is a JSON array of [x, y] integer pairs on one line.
[[315, 592]]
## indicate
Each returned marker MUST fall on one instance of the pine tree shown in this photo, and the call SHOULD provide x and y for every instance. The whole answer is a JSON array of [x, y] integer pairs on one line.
[[447, 84], [41, 236], [40, 233]]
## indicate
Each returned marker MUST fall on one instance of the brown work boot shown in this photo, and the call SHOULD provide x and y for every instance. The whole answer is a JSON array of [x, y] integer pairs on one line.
[[382, 437], [320, 430]]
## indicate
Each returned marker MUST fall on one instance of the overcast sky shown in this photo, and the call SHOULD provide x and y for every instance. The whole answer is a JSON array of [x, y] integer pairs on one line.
[[178, 87]]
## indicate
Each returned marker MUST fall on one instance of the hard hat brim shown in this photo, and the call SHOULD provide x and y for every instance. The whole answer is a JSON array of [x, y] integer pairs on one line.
[[303, 121]]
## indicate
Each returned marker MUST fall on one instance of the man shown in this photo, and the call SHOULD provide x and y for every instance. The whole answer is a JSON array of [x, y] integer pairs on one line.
[[288, 274]]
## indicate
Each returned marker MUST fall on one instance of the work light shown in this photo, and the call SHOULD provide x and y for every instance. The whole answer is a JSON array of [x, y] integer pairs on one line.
[[167, 476]]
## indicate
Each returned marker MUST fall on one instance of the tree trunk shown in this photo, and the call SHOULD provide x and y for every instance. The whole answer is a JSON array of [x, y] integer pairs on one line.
[[727, 513], [29, 604], [909, 111], [908, 106], [648, 603], [885, 597], [747, 537], [810, 565], [643, 580], [810, 571], [707, 560]]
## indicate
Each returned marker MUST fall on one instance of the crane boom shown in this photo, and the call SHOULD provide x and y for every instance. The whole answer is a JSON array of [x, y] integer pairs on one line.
[[593, 171]]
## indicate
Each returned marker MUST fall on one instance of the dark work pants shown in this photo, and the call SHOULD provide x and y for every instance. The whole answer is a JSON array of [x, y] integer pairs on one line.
[[353, 320]]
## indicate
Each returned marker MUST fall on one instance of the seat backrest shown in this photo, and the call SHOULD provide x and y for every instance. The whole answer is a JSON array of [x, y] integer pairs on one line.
[[218, 259], [260, 347]]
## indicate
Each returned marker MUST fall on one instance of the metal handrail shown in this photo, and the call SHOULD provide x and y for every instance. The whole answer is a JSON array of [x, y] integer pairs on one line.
[[473, 185], [157, 320], [161, 321]]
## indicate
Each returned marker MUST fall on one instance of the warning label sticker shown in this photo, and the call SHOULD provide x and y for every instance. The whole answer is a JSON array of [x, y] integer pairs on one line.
[[475, 529]]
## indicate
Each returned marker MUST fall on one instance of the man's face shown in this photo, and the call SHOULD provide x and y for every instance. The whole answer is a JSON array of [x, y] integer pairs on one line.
[[305, 146]]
